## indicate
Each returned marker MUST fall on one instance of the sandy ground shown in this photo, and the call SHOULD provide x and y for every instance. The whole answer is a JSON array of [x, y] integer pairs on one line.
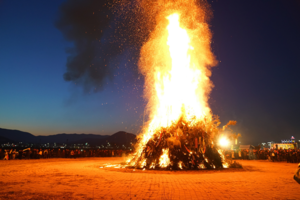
[[83, 179]]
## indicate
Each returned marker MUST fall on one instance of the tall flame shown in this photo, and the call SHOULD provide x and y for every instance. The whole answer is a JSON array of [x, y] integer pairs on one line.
[[177, 89], [175, 62]]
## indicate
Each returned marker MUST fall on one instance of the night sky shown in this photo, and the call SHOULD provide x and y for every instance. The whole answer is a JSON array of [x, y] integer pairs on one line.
[[43, 89]]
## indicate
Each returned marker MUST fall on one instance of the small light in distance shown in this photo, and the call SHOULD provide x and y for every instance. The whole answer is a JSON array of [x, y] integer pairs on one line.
[[223, 142]]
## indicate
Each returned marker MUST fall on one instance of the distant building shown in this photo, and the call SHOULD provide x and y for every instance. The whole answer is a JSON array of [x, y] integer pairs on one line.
[[287, 144], [292, 140], [284, 146]]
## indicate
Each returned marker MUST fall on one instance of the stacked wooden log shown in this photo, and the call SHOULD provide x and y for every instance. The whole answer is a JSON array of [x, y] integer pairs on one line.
[[189, 145]]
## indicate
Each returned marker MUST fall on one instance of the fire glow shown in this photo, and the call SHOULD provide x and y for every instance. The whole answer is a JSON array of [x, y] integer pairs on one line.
[[176, 60]]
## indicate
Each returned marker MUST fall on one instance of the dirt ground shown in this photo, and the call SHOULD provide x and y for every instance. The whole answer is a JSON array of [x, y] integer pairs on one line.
[[84, 179]]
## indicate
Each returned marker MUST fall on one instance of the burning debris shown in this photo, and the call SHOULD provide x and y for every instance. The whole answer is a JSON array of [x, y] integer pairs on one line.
[[183, 145]]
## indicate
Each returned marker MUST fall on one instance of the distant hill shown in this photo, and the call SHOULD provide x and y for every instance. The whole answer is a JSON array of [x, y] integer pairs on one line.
[[119, 138], [4, 140], [16, 136], [68, 138]]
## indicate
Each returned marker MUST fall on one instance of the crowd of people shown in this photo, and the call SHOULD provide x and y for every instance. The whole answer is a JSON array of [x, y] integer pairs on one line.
[[288, 155], [35, 153]]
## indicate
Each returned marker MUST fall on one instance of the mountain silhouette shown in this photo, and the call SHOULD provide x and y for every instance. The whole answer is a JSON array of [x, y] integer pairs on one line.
[[4, 140], [120, 138], [68, 138], [16, 136]]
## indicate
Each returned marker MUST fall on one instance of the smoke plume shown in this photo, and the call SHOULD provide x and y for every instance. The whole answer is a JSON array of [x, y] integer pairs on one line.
[[98, 37], [100, 31]]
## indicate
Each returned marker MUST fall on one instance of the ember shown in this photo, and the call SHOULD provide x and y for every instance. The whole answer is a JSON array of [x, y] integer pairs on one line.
[[181, 132]]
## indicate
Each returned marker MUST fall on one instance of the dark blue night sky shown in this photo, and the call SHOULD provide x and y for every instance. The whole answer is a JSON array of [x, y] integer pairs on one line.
[[256, 82]]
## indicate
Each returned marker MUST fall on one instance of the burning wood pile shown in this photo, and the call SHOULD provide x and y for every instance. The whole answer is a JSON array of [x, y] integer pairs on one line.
[[183, 145]]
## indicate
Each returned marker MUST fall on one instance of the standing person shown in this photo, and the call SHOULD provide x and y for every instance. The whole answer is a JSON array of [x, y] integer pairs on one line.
[[284, 157], [294, 156], [58, 153], [288, 156], [263, 154], [255, 152], [273, 156], [46, 153], [72, 154], [251, 154], [14, 154], [10, 154], [279, 155], [40, 153], [26, 153], [6, 157], [29, 153], [20, 154], [1, 154]]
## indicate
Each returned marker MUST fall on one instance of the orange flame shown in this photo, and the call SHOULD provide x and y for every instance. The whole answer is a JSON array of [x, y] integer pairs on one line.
[[164, 159], [175, 62]]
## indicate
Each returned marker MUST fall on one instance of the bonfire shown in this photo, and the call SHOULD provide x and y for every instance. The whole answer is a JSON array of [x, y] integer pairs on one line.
[[182, 145], [182, 132]]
